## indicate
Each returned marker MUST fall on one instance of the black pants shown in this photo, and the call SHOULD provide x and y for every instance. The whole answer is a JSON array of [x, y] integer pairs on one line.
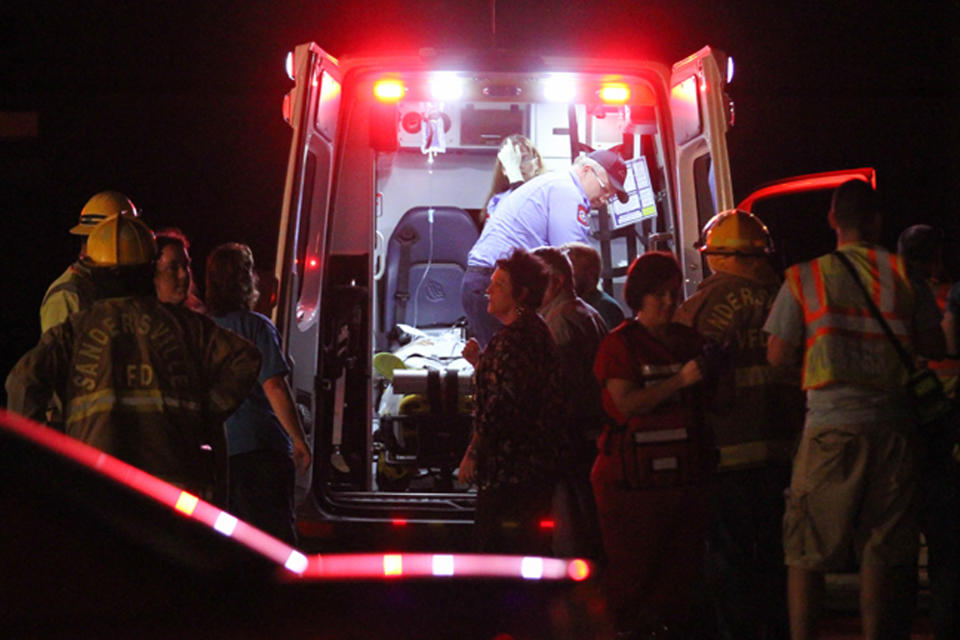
[[746, 572], [261, 492], [940, 523]]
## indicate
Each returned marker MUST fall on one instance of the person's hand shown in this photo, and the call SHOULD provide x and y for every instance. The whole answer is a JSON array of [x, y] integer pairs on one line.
[[510, 157], [471, 351], [467, 473], [691, 373], [301, 456]]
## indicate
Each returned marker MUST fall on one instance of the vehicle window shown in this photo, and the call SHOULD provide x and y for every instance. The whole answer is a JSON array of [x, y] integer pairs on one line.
[[685, 108], [328, 106]]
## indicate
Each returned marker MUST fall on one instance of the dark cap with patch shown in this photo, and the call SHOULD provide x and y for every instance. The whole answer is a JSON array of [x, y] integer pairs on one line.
[[616, 170]]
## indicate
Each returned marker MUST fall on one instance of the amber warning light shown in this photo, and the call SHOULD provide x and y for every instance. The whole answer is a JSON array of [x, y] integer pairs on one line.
[[615, 93], [388, 90]]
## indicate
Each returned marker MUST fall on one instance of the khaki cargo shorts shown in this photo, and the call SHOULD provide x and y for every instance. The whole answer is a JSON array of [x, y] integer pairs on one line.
[[853, 491]]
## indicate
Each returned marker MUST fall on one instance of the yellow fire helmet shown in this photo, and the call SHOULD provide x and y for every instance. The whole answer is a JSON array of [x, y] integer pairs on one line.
[[101, 206], [735, 232], [120, 241]]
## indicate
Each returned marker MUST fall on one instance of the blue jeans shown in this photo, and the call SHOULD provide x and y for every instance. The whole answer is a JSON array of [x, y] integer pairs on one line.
[[473, 295], [262, 490]]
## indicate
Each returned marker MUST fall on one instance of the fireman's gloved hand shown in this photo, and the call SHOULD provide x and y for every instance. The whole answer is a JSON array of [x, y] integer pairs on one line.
[[510, 157], [715, 359]]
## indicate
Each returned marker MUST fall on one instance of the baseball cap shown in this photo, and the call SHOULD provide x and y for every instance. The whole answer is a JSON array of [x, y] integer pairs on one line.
[[616, 169]]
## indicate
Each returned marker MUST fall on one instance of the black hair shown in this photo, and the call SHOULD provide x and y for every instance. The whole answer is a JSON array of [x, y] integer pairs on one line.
[[231, 280]]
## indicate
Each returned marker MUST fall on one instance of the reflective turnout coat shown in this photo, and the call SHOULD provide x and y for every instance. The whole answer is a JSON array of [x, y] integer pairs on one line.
[[146, 382], [754, 409], [71, 292]]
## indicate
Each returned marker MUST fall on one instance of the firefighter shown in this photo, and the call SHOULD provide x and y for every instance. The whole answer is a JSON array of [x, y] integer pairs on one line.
[[146, 382], [854, 481], [755, 412], [74, 289]]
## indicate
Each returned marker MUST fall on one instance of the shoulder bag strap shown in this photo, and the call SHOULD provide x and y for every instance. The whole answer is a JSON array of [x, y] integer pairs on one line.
[[904, 356]]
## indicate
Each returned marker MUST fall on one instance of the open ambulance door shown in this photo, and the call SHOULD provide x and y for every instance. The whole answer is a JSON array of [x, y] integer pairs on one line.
[[795, 212], [312, 109], [701, 113]]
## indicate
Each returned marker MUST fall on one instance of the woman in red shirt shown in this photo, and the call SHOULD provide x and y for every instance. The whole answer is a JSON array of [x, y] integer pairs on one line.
[[654, 457]]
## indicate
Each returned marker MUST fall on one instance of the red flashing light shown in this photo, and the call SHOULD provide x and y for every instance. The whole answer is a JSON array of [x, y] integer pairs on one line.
[[398, 522], [616, 93], [547, 524], [578, 570], [312, 263], [389, 90]]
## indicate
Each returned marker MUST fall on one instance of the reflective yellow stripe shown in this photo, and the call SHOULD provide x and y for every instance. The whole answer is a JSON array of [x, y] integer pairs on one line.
[[753, 453], [140, 401]]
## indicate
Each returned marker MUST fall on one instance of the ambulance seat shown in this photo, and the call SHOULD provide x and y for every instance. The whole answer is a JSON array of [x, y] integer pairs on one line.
[[422, 278]]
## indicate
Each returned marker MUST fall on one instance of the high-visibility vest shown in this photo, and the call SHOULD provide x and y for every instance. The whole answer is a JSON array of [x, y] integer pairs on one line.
[[844, 342]]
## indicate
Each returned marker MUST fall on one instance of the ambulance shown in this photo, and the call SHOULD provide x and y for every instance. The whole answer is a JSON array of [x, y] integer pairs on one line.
[[390, 166]]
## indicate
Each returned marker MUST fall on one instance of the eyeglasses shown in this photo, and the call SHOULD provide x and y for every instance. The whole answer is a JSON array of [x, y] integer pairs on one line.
[[609, 193]]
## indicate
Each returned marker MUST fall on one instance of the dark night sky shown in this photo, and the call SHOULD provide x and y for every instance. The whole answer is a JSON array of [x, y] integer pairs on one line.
[[178, 103]]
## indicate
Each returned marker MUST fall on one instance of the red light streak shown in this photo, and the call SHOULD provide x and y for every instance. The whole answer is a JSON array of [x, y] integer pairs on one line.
[[295, 564]]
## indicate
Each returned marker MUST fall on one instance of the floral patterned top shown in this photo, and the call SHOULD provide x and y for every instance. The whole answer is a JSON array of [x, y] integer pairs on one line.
[[518, 408]]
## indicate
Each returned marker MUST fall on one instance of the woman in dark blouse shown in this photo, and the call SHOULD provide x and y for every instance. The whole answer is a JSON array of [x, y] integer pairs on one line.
[[513, 454]]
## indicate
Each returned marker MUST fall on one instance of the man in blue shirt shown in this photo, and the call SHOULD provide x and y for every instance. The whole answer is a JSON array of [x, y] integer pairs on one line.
[[548, 210]]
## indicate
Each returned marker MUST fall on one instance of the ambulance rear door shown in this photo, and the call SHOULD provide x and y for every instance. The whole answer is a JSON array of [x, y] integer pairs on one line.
[[312, 108], [701, 113], [795, 212]]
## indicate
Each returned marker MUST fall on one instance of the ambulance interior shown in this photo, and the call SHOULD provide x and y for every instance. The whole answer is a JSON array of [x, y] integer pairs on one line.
[[434, 144]]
